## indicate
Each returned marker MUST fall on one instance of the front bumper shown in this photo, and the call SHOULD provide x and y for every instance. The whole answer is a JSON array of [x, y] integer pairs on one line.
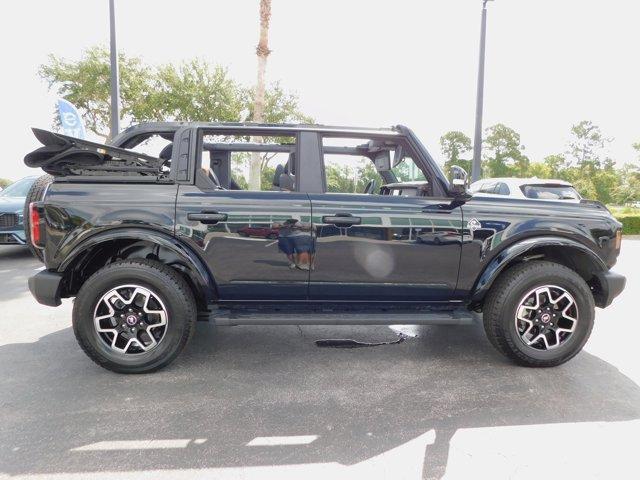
[[45, 287], [12, 237], [611, 285]]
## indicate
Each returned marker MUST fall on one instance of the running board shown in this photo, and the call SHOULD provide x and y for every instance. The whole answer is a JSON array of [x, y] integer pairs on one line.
[[261, 316]]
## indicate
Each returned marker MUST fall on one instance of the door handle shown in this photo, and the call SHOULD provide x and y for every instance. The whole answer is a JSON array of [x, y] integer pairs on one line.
[[342, 220], [208, 218]]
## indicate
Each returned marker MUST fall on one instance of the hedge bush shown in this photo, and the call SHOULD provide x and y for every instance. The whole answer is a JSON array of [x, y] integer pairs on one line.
[[630, 224]]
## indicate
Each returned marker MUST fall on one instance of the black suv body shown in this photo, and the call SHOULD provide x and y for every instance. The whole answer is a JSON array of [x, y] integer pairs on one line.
[[420, 251]]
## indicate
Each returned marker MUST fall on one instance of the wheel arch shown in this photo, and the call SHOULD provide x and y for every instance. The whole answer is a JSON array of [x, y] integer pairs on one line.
[[564, 251], [107, 247]]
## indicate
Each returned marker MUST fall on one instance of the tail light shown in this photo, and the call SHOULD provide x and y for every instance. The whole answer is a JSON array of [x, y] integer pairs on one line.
[[618, 239], [35, 225]]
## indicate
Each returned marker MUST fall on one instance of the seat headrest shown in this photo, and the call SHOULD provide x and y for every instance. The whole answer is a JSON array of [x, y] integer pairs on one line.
[[166, 152], [276, 175]]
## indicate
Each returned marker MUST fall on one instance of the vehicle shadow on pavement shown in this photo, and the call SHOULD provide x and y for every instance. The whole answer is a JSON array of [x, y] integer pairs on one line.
[[233, 384]]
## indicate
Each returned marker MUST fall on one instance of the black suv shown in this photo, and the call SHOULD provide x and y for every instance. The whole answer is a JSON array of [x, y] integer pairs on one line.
[[334, 225]]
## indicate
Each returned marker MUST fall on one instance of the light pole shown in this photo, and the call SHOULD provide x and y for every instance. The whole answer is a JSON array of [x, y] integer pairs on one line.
[[476, 166], [115, 81]]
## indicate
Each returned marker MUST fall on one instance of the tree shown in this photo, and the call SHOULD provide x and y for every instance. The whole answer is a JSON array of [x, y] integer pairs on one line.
[[191, 91], [454, 145], [553, 166], [86, 84], [262, 51], [340, 178], [628, 189], [4, 183], [367, 172], [587, 144], [504, 155]]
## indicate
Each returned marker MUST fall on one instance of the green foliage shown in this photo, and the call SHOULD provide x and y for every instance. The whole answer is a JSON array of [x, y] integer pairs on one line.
[[85, 83], [407, 171], [340, 179], [347, 179], [630, 224], [280, 106], [454, 145], [585, 164], [587, 145], [503, 156], [192, 91], [4, 183], [367, 172], [266, 177]]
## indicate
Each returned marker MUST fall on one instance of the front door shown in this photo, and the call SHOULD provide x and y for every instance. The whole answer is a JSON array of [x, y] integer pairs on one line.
[[384, 248]]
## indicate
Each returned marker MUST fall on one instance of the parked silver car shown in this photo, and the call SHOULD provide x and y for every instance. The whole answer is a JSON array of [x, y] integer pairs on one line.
[[526, 188]]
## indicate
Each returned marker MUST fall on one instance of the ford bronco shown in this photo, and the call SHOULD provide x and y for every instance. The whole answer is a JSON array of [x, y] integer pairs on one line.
[[160, 228]]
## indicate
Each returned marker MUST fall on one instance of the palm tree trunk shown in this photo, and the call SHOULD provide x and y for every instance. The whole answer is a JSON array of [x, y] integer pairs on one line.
[[262, 51]]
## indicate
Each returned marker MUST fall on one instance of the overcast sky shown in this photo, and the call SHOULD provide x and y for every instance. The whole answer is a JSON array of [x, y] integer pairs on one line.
[[550, 63]]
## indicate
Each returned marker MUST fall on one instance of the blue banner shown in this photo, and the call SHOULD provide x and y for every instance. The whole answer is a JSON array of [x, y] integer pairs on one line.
[[70, 119]]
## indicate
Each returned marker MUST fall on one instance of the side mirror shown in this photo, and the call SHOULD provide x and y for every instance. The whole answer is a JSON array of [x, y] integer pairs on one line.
[[459, 181], [382, 161]]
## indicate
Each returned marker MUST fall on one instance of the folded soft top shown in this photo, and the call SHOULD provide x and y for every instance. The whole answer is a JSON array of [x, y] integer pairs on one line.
[[62, 155]]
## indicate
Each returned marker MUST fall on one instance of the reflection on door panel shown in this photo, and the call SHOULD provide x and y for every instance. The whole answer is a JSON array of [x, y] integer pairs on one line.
[[260, 250], [399, 250]]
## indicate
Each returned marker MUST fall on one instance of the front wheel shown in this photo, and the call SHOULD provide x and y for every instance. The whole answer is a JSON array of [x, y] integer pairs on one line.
[[134, 316], [539, 314]]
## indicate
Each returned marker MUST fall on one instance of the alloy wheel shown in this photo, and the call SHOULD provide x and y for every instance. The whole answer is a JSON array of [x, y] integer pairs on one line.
[[130, 319], [546, 317]]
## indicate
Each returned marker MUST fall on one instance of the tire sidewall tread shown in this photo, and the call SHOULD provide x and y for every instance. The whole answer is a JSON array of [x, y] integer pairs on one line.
[[161, 279], [507, 291]]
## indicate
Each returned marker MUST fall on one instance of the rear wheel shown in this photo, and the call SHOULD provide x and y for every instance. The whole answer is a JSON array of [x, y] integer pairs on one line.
[[36, 192], [134, 316], [539, 314]]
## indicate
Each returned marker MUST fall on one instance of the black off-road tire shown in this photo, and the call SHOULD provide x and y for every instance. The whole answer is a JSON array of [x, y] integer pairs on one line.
[[503, 299], [164, 282], [36, 192]]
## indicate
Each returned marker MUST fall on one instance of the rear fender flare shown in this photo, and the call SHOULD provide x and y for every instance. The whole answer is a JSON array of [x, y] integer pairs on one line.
[[199, 273]]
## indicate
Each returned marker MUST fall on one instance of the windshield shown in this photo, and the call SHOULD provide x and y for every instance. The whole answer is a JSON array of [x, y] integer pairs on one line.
[[550, 192], [408, 171], [18, 189]]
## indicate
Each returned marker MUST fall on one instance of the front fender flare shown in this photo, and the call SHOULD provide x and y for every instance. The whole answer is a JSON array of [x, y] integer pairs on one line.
[[200, 275], [504, 257]]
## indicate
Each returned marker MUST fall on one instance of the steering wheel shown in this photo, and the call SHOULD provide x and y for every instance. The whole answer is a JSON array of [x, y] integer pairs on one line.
[[371, 186]]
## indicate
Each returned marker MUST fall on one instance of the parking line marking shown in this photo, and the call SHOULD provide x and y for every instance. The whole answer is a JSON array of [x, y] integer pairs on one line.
[[137, 444], [287, 440]]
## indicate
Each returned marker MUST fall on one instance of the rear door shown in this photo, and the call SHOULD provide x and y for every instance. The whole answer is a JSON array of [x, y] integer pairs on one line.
[[373, 247], [215, 221]]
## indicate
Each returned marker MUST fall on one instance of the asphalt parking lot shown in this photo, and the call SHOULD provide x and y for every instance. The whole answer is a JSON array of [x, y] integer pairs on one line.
[[266, 402]]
